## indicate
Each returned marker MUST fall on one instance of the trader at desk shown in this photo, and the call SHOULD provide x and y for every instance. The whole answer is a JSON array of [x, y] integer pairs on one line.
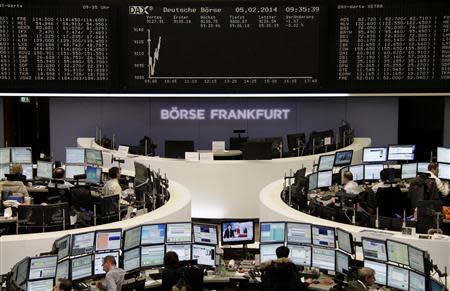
[[366, 278], [433, 170], [350, 186], [114, 276], [14, 182], [58, 175], [112, 187]]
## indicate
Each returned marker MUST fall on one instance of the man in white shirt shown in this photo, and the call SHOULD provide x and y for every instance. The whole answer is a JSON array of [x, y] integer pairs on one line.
[[433, 170], [112, 187], [350, 186]]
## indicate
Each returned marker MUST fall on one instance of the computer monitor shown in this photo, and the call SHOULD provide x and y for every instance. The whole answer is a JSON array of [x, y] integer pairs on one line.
[[21, 155], [74, 170], [153, 234], [82, 243], [179, 232], [444, 171], [81, 268], [152, 256], [358, 172], [409, 171], [443, 155], [93, 175], [324, 179], [323, 258], [22, 271], [108, 239], [5, 156], [323, 236], [205, 234], [375, 154], [62, 270], [132, 238], [94, 157], [183, 251], [44, 170], [343, 158], [75, 156], [98, 261], [380, 271], [238, 232], [300, 255], [298, 233], [342, 263], [372, 172], [422, 167], [436, 286], [272, 232], [28, 171], [397, 252], [417, 282], [4, 170], [141, 173], [63, 247], [326, 162], [204, 254], [345, 240], [267, 252], [132, 259], [374, 249], [416, 259], [40, 285], [398, 278], [42, 267], [312, 181], [401, 152]]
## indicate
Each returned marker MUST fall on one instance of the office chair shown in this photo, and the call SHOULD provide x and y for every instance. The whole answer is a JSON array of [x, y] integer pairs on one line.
[[30, 219], [56, 217], [57, 194]]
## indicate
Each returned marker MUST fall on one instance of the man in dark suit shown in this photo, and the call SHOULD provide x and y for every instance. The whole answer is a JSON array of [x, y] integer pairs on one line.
[[366, 278]]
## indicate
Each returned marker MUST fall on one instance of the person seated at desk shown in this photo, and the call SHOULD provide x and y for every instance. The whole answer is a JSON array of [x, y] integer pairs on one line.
[[58, 175], [112, 187], [63, 285], [114, 276], [350, 186], [171, 273], [433, 171], [366, 278], [384, 181], [389, 197], [14, 183]]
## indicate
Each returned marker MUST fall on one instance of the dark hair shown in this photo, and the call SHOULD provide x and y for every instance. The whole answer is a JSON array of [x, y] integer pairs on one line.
[[110, 259], [432, 166], [113, 172], [59, 173], [348, 175], [384, 175], [171, 259], [282, 252], [65, 284]]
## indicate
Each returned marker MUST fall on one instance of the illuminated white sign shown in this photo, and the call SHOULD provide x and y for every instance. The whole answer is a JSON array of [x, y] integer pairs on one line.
[[175, 113]]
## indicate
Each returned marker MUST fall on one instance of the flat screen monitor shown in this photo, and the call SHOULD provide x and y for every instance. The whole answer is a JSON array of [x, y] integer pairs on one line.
[[108, 239], [141, 173], [323, 236], [44, 170], [62, 270], [81, 268], [342, 263], [380, 271], [94, 157], [42, 267], [409, 171], [179, 232], [375, 155], [324, 179], [75, 156], [417, 282], [397, 252], [4, 169], [74, 170], [343, 158], [272, 232], [345, 240], [372, 172], [416, 259], [98, 261], [238, 232], [358, 172], [267, 252], [183, 251], [312, 181], [153, 234], [436, 286], [5, 156], [444, 171], [374, 249], [398, 278], [21, 155], [132, 259], [83, 243], [205, 234], [323, 258], [300, 255], [40, 285], [22, 271], [326, 162], [204, 254], [401, 152], [443, 155], [63, 247], [93, 174], [27, 171], [298, 233], [422, 167], [132, 238], [152, 256]]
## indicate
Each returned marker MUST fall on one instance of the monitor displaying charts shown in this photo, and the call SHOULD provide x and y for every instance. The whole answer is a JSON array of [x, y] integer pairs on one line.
[[93, 175], [21, 155], [444, 171], [416, 259], [323, 258], [5, 156], [94, 157], [63, 246], [40, 285], [42, 267], [74, 170], [343, 158], [44, 169], [375, 155], [4, 169], [75, 156], [179, 232], [153, 234], [380, 271], [324, 179], [358, 172], [416, 281], [299, 233], [183, 251], [401, 152], [374, 249], [132, 259], [272, 232], [81, 268], [152, 256], [62, 270], [267, 252], [28, 171], [372, 171], [397, 252], [323, 236], [409, 171], [398, 278], [300, 255], [342, 262], [204, 254], [326, 162], [205, 234], [443, 155], [108, 240], [345, 240], [83, 243], [98, 261], [422, 167], [132, 238], [312, 181]]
